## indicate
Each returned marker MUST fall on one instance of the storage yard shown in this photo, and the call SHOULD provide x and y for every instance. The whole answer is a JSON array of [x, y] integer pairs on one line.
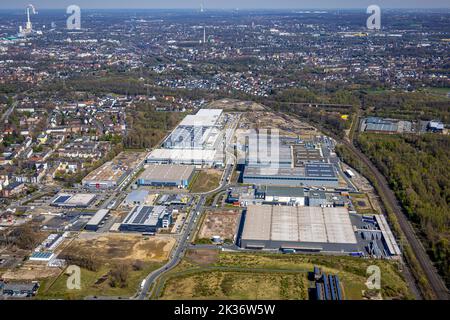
[[321, 175], [269, 120]]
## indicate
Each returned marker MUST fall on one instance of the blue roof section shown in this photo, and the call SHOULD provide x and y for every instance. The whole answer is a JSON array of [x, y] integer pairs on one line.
[[62, 199], [41, 255], [320, 170]]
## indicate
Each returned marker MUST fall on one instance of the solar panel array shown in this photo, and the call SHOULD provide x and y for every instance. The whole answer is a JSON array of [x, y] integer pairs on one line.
[[62, 199], [142, 215]]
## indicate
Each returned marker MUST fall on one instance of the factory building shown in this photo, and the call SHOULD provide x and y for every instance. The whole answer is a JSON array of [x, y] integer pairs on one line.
[[298, 228], [197, 140], [380, 125], [106, 177], [264, 150], [281, 161], [136, 198], [317, 174], [318, 198], [281, 195], [146, 219], [95, 222], [307, 152], [78, 200], [113, 173], [167, 176], [435, 126]]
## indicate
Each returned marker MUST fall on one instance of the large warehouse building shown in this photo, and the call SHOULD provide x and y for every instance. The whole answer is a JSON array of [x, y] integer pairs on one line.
[[314, 174], [167, 176], [281, 161], [299, 228], [197, 140], [281, 195], [70, 200], [146, 219], [95, 222]]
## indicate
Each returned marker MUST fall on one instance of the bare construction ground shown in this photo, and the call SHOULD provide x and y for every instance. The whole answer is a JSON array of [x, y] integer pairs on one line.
[[286, 126], [235, 105], [122, 247], [30, 271], [220, 223]]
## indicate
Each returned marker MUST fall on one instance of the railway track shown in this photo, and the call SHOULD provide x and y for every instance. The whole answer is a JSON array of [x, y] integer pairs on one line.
[[434, 279], [436, 282]]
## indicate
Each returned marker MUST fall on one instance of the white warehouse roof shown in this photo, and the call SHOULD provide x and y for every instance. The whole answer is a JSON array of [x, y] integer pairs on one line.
[[204, 117], [298, 224]]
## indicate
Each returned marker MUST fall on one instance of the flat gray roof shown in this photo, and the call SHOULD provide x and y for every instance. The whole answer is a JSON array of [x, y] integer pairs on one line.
[[98, 217], [298, 224], [167, 172], [314, 170], [282, 191], [137, 195]]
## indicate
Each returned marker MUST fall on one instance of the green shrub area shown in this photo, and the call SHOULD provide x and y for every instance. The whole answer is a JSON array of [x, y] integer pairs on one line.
[[417, 168]]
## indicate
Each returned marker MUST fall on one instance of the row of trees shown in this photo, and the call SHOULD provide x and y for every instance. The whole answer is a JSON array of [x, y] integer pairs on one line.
[[148, 127], [408, 106], [417, 170]]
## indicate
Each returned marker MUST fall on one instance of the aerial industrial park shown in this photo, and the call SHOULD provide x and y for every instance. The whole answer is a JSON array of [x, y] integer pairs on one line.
[[223, 155], [298, 202]]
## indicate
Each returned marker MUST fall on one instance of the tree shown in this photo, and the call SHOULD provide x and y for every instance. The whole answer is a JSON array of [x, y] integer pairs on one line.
[[118, 276]]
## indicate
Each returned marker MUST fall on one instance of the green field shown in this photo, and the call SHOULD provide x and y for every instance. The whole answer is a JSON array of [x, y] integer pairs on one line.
[[206, 181], [92, 284], [237, 285], [273, 276]]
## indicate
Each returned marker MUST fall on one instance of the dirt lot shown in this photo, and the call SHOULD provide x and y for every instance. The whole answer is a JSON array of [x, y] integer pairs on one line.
[[220, 223], [120, 247], [286, 126], [30, 271], [235, 105], [202, 257]]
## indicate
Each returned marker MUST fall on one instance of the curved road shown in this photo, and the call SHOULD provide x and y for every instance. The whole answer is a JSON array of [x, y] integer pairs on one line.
[[184, 241]]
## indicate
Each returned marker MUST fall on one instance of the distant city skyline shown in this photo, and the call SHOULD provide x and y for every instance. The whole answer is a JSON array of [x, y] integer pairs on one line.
[[221, 4]]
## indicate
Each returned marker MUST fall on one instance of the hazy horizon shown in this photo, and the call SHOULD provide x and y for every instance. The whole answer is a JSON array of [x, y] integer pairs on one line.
[[229, 4]]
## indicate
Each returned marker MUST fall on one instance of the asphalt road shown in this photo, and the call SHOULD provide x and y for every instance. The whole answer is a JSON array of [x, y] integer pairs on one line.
[[185, 239], [8, 112], [177, 255]]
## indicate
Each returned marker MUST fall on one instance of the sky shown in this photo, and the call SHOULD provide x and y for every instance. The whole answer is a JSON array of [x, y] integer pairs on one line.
[[224, 4]]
